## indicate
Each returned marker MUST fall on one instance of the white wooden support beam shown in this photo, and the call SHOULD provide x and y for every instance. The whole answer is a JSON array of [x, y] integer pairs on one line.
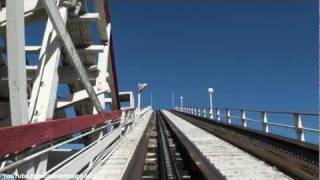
[[81, 95], [89, 49], [111, 79], [66, 74], [32, 49], [46, 84], [16, 62], [108, 100], [72, 54], [30, 8], [102, 24], [103, 59], [88, 17]]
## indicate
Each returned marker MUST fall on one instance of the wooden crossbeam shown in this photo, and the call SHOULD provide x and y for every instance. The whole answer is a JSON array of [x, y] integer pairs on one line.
[[71, 51]]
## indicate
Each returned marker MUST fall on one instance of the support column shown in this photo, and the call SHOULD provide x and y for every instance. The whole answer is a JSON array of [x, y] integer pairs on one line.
[[46, 84], [17, 62]]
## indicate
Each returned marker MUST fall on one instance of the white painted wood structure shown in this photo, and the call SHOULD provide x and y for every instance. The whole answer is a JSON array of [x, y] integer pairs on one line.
[[68, 69]]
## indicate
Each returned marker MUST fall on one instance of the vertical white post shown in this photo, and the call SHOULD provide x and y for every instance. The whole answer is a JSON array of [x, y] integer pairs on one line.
[[17, 62], [151, 99], [204, 112], [243, 118], [265, 126], [199, 112], [181, 101], [139, 98], [172, 96], [210, 91], [228, 116], [299, 127], [218, 114]]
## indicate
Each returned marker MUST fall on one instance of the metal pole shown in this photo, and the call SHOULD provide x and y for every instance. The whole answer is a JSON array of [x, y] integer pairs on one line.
[[151, 99], [181, 101], [141, 86], [172, 96], [210, 91], [139, 98]]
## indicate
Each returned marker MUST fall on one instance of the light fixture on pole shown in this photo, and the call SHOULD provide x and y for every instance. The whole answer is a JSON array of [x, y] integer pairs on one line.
[[211, 91], [141, 86]]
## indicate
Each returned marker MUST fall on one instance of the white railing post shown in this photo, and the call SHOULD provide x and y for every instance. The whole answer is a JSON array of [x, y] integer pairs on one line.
[[243, 118], [194, 111], [299, 127], [264, 119], [199, 112], [211, 113], [218, 114], [228, 116], [204, 112]]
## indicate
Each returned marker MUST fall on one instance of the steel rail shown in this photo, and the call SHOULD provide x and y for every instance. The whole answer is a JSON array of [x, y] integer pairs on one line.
[[215, 115], [28, 158], [32, 135], [267, 111], [206, 168], [61, 164], [168, 166]]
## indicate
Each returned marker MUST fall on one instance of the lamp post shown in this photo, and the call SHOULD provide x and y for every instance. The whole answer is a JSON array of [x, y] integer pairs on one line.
[[141, 86], [181, 102], [210, 91]]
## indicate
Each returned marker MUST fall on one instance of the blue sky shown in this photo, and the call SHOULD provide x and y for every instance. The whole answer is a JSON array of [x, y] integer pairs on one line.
[[257, 54]]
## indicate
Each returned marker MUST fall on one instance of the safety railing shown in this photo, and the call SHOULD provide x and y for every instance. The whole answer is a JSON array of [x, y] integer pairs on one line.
[[22, 144], [229, 115]]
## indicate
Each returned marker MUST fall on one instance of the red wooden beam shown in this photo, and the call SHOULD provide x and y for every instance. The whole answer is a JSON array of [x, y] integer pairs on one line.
[[19, 138]]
